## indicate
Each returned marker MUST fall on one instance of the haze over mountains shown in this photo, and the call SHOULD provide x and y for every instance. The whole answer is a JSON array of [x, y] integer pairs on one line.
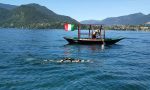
[[132, 19], [30, 16]]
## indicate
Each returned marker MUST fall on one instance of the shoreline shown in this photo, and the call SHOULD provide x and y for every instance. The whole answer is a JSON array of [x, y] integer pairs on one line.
[[145, 30]]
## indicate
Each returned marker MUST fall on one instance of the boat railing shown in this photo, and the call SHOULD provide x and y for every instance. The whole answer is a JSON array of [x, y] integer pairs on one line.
[[93, 30]]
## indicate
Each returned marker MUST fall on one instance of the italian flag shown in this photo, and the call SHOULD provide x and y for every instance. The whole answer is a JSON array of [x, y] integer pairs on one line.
[[69, 27]]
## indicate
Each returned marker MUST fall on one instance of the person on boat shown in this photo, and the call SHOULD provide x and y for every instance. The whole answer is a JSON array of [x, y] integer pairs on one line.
[[94, 34]]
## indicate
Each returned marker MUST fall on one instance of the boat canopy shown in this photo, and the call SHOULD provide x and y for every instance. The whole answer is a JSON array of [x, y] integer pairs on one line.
[[95, 31]]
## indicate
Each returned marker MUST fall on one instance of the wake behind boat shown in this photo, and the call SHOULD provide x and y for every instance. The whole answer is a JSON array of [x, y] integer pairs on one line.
[[95, 36]]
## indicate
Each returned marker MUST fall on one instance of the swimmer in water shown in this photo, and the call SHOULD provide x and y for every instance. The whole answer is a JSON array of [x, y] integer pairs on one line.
[[69, 60], [66, 60], [77, 61]]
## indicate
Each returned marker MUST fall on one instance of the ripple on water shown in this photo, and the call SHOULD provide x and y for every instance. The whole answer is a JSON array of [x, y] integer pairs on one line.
[[28, 60]]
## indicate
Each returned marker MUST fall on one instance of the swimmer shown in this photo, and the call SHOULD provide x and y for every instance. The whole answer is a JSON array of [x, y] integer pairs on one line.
[[77, 61], [61, 61], [65, 60], [69, 60]]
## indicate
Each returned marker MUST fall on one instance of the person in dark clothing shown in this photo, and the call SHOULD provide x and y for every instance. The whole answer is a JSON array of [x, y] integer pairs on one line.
[[94, 35]]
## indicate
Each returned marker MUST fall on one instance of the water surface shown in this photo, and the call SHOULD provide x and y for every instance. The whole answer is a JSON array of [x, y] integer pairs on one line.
[[26, 55]]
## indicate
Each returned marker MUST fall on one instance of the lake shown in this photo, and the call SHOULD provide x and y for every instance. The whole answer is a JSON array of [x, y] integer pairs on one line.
[[28, 61]]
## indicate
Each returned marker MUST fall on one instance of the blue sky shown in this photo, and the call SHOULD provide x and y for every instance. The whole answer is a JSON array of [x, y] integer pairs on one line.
[[90, 9]]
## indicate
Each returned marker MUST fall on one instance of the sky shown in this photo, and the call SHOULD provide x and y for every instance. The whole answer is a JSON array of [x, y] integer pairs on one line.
[[90, 9]]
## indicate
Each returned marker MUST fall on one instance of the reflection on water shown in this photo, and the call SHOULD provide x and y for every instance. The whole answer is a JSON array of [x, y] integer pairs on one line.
[[69, 49]]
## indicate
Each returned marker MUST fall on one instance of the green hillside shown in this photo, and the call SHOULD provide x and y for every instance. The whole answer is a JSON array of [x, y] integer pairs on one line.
[[32, 16], [132, 19]]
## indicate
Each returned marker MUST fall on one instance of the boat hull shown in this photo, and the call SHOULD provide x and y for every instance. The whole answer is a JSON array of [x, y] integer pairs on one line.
[[87, 41]]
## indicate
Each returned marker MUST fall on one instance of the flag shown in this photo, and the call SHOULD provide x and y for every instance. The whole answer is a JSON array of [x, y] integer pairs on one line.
[[69, 27]]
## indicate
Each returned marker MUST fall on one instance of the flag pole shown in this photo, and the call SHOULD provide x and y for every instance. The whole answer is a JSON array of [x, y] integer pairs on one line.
[[89, 31], [78, 31]]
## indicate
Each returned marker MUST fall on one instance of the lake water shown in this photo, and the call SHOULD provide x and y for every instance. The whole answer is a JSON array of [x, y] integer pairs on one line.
[[28, 61]]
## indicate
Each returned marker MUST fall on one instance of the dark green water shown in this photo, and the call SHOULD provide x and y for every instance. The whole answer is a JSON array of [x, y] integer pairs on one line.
[[28, 61]]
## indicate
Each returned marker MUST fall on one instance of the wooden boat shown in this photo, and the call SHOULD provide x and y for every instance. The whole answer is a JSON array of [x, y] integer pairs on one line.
[[99, 40], [88, 41]]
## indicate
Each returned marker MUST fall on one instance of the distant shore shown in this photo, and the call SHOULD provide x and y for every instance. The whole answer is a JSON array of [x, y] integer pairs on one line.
[[113, 27], [129, 27]]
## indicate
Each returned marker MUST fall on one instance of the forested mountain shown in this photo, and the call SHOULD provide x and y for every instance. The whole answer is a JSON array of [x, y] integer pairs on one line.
[[7, 6], [132, 19], [32, 16]]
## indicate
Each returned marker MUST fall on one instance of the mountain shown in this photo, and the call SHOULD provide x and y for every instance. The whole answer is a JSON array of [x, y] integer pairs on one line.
[[132, 19], [32, 16], [4, 14], [7, 6], [90, 21]]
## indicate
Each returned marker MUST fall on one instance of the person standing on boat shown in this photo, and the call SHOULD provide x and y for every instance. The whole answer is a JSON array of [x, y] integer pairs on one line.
[[94, 35]]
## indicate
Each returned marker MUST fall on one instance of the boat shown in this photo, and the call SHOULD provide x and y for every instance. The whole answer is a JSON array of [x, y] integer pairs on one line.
[[88, 41], [96, 37]]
